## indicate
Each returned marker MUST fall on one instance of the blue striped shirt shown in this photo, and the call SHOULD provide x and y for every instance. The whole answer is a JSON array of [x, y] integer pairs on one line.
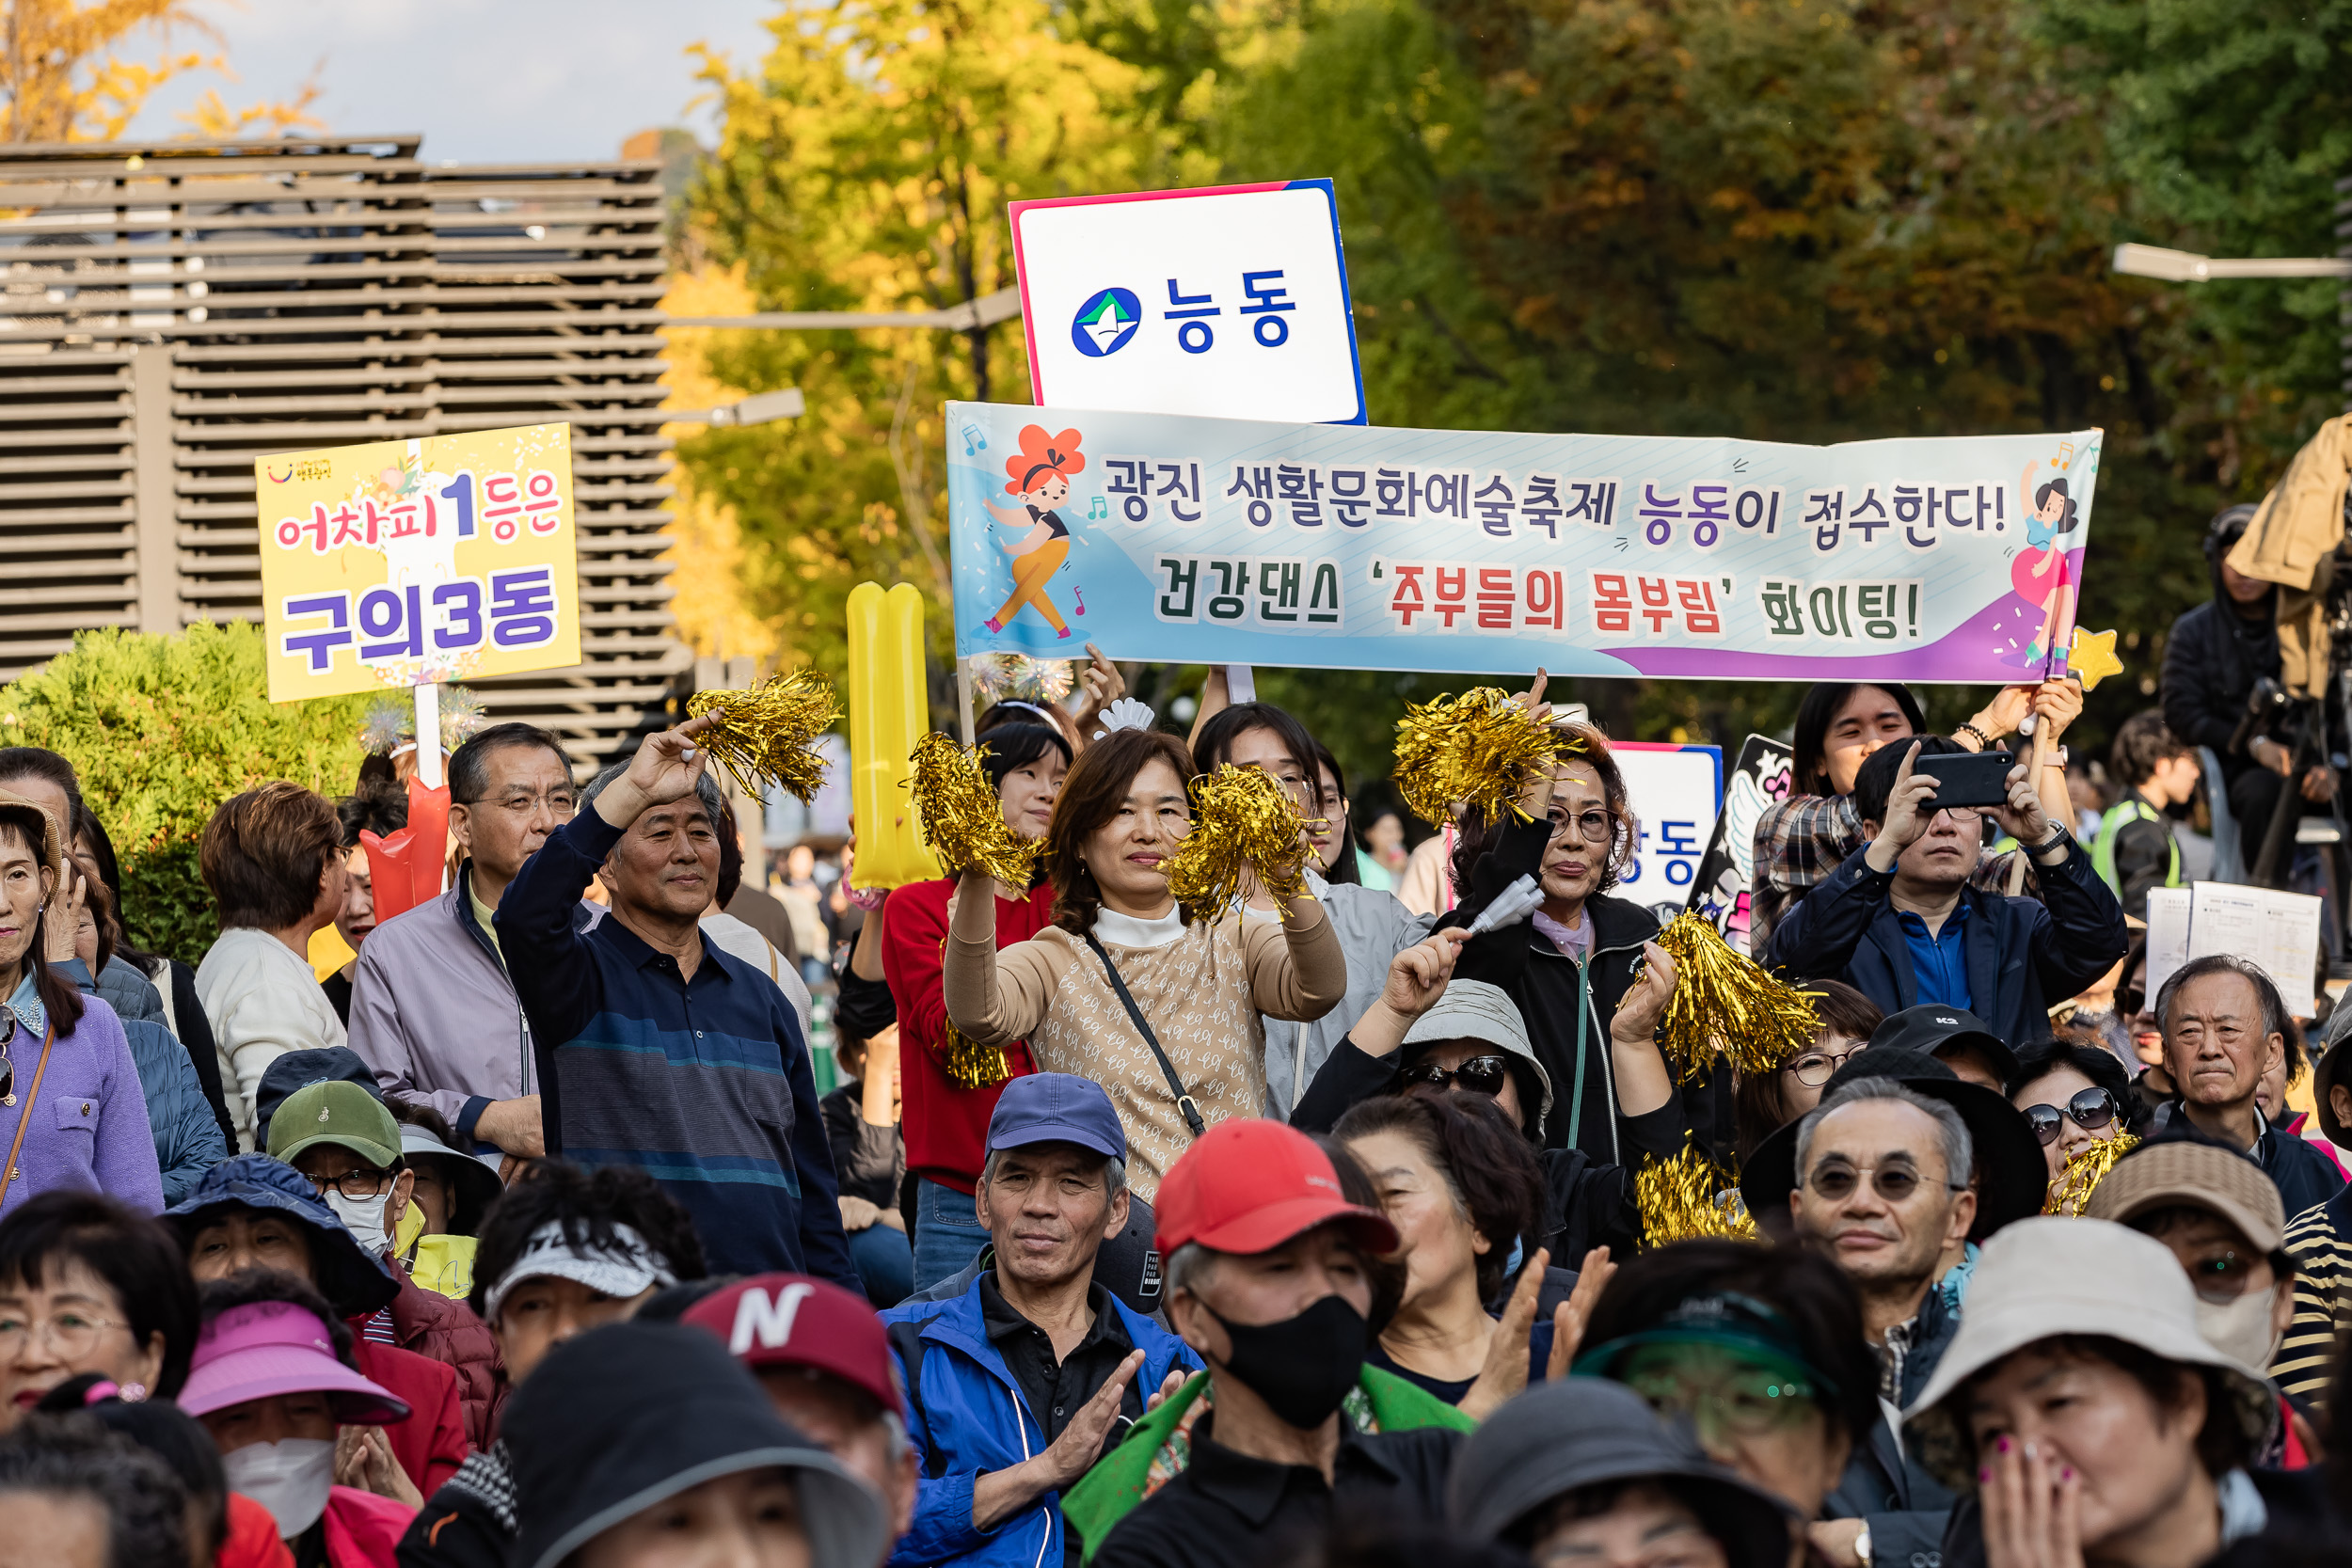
[[706, 1083]]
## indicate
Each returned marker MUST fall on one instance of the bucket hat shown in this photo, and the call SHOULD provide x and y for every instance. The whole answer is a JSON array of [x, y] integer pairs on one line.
[[628, 1416], [1580, 1432], [354, 1284], [267, 1348], [2049, 1276], [1474, 1011], [2012, 1177]]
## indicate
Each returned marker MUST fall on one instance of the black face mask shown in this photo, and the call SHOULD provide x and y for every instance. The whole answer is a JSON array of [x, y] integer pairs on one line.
[[1302, 1367]]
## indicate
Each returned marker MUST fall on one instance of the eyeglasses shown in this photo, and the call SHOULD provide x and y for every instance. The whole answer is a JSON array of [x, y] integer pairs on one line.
[[1596, 826], [354, 1184], [558, 803], [72, 1335], [1816, 1067], [1480, 1074], [2223, 1278], [1740, 1402], [1838, 1182], [2091, 1110]]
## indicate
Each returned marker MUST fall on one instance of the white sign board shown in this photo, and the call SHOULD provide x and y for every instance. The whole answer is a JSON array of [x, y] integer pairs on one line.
[[2278, 932], [1228, 302], [1676, 791]]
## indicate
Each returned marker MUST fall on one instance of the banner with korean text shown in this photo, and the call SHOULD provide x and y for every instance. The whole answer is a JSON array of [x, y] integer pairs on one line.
[[1193, 539], [401, 563]]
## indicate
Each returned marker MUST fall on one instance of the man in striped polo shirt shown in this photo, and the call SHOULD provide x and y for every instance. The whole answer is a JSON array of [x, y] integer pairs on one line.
[[658, 1049]]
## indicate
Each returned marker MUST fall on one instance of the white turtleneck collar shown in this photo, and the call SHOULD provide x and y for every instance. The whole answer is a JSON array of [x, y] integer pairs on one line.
[[1125, 930]]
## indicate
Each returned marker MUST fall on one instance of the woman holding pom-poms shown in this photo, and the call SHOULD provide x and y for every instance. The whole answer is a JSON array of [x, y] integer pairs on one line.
[[1198, 979], [949, 1085]]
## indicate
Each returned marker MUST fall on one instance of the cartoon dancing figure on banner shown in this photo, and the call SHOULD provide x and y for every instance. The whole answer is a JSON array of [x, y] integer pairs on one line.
[[2041, 573], [1038, 476]]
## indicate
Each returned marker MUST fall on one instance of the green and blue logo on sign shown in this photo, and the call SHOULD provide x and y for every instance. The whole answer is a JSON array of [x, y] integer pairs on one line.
[[1106, 322]]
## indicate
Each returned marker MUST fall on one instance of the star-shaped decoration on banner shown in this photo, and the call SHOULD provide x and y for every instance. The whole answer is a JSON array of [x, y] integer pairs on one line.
[[2091, 657]]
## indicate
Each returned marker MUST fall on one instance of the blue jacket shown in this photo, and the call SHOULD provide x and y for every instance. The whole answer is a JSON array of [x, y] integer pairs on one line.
[[2023, 954], [189, 1140], [705, 1082], [966, 1415]]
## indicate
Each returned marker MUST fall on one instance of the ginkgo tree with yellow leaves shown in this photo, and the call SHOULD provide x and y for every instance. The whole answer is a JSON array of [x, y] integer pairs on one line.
[[63, 77], [865, 164]]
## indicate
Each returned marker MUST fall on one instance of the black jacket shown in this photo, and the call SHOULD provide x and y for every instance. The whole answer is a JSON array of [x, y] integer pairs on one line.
[[1545, 984], [2023, 954], [1906, 1508], [2211, 662]]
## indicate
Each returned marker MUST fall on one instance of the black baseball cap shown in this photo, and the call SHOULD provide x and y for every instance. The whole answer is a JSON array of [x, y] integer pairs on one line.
[[1934, 1028]]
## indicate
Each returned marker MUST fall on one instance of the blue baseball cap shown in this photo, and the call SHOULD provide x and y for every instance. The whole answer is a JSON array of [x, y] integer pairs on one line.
[[1057, 1108]]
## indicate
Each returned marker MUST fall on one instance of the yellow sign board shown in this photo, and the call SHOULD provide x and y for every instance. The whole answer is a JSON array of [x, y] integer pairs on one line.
[[397, 563]]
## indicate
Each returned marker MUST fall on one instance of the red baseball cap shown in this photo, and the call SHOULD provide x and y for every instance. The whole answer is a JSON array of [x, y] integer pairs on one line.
[[789, 1319], [1248, 1186]]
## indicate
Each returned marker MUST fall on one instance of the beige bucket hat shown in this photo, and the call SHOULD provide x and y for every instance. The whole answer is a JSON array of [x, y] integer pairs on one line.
[[2044, 1278]]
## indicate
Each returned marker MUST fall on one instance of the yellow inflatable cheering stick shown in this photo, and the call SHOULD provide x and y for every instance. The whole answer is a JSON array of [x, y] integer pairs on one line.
[[889, 711]]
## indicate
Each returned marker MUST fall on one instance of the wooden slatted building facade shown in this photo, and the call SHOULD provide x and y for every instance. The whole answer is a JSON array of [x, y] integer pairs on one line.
[[173, 310]]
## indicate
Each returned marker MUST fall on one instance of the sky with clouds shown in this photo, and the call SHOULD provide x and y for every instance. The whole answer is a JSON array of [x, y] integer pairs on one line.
[[486, 81]]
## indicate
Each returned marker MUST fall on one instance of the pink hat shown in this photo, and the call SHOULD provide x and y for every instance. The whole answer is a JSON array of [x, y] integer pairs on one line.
[[275, 1347]]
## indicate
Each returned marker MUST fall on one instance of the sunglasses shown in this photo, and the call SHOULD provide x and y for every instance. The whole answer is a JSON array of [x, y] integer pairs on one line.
[[1480, 1074], [1895, 1183], [2091, 1110]]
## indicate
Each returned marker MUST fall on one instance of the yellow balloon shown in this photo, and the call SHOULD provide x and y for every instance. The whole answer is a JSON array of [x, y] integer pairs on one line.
[[889, 711]]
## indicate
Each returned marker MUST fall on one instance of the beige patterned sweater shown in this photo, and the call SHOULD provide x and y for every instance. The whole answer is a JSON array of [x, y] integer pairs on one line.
[[1202, 985]]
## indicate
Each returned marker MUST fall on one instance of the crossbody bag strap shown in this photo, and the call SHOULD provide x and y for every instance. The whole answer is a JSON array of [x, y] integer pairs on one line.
[[1185, 1101], [32, 1101]]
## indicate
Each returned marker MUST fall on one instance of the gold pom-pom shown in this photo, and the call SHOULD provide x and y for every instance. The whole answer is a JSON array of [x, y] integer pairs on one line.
[[1240, 816], [767, 733], [959, 816], [1688, 1196], [2072, 1187], [1724, 1004], [1477, 748]]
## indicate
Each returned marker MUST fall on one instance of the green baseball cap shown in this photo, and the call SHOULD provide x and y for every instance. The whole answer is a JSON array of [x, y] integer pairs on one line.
[[334, 1111]]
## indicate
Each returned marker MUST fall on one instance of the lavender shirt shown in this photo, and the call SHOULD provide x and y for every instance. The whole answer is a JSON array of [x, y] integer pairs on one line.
[[87, 1130]]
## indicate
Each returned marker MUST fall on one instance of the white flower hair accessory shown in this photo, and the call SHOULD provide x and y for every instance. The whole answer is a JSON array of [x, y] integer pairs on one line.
[[1126, 713]]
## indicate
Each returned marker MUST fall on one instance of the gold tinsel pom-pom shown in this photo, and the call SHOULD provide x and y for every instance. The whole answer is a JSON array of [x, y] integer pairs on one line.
[[767, 733], [1724, 1004], [1477, 748], [2072, 1187], [961, 816], [1678, 1200], [1240, 817]]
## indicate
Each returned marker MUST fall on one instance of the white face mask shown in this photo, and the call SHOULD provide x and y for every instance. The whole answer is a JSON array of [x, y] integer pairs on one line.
[[2240, 1328], [289, 1478], [364, 1218]]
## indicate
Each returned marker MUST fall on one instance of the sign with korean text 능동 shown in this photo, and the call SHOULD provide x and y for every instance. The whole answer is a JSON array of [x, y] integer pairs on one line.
[[1201, 540], [399, 563], [1229, 301], [1677, 792]]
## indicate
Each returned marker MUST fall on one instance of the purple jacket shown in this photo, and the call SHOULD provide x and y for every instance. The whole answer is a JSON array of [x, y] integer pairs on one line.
[[87, 1130], [434, 1015]]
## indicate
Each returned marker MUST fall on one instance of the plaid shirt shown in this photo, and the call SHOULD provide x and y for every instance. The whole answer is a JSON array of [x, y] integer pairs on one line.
[[1801, 840]]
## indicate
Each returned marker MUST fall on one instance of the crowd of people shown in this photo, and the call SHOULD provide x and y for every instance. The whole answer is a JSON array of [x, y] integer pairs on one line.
[[1312, 1229]]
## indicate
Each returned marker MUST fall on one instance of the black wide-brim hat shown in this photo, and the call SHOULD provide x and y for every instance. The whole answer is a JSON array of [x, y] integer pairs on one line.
[[2012, 1175]]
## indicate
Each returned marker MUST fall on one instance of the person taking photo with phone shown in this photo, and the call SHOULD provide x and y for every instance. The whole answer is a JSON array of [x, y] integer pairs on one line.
[[1899, 922]]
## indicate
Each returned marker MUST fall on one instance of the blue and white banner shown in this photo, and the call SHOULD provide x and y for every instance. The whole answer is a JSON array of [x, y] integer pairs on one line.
[[1191, 540]]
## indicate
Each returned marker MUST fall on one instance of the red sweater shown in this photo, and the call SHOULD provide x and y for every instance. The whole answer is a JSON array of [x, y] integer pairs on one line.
[[945, 1126]]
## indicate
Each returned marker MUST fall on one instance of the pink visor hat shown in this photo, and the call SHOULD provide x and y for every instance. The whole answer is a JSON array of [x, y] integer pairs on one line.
[[273, 1347]]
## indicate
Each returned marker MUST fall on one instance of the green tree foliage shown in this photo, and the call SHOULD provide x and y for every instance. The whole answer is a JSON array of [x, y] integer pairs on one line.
[[865, 165], [1796, 220], [163, 729]]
